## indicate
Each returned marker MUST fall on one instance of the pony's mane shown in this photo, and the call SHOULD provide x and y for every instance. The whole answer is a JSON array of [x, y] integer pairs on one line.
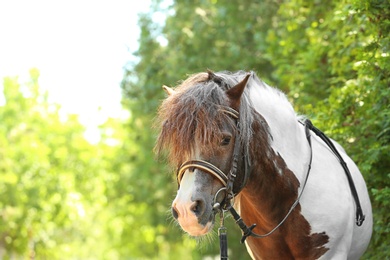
[[193, 113]]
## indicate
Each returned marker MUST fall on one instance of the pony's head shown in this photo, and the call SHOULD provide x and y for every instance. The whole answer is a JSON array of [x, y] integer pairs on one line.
[[199, 128]]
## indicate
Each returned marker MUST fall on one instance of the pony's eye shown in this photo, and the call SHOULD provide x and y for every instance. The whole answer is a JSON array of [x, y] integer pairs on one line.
[[225, 140]]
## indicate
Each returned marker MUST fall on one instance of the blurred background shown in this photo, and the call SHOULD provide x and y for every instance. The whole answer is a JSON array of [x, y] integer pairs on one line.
[[81, 83]]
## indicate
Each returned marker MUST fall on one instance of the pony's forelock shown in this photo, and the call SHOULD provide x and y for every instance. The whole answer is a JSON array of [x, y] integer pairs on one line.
[[192, 114]]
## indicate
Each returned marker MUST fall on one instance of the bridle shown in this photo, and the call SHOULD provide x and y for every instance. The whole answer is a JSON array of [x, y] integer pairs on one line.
[[230, 191]]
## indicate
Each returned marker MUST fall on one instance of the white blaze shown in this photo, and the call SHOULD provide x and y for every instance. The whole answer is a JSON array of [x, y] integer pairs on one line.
[[183, 205]]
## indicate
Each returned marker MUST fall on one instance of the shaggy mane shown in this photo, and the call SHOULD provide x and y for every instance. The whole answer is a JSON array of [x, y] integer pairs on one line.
[[192, 113]]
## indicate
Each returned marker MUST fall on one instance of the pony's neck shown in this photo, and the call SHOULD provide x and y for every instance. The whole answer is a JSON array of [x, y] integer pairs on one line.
[[288, 136], [272, 187], [265, 200], [278, 164], [278, 168]]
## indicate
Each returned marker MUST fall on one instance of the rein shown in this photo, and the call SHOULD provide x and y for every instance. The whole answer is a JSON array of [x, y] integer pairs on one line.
[[228, 182]]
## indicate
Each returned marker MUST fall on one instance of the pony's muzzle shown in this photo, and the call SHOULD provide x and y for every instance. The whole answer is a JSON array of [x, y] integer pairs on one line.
[[197, 208]]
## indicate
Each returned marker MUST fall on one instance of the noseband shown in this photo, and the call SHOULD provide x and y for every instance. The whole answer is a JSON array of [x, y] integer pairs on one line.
[[204, 166]]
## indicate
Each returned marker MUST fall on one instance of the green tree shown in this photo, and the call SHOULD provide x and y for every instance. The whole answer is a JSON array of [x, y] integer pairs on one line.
[[53, 182]]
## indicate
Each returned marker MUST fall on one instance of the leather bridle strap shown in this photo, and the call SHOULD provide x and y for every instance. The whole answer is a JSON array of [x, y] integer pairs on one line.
[[204, 166]]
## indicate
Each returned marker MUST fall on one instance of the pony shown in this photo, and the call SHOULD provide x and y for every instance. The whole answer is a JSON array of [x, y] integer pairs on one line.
[[238, 145]]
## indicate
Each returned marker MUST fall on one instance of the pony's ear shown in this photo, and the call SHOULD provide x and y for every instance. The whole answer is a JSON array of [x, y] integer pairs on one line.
[[235, 92], [168, 90], [211, 74], [214, 77]]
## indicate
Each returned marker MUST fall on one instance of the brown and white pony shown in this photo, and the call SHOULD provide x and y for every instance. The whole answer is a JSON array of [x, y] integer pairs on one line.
[[196, 125]]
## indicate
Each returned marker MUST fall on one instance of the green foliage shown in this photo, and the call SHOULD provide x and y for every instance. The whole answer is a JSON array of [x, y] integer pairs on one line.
[[50, 177], [58, 193]]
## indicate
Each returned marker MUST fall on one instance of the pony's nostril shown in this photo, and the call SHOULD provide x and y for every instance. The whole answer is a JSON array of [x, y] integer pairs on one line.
[[175, 214], [195, 207], [198, 207]]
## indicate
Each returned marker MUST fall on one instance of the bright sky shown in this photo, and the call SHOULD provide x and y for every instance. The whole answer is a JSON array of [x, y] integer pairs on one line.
[[79, 47]]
